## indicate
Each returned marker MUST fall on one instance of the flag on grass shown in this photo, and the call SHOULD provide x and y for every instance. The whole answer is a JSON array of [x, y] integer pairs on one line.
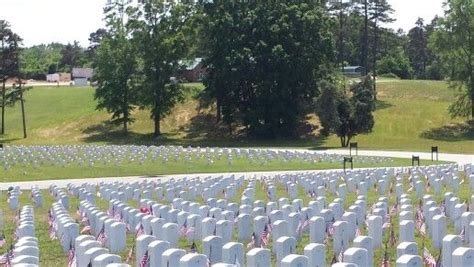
[[428, 258], [144, 260], [251, 244], [264, 240], [101, 237], [130, 254], [71, 257]]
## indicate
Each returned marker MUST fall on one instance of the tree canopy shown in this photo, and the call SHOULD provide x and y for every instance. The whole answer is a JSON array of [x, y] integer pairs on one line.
[[453, 40], [263, 65]]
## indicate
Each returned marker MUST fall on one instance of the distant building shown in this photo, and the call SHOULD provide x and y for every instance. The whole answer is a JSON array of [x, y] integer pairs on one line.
[[194, 71], [354, 71], [53, 78], [80, 76]]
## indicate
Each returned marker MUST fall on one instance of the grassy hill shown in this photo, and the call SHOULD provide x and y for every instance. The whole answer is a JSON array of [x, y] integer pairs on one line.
[[411, 115]]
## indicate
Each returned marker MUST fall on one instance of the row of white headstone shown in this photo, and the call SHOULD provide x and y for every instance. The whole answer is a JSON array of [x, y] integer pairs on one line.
[[26, 251], [214, 223]]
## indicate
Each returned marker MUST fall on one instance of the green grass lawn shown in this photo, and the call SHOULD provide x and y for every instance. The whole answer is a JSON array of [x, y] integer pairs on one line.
[[411, 115], [149, 168]]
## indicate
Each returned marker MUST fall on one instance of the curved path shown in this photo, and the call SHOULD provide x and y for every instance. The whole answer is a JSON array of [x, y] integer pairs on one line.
[[460, 159]]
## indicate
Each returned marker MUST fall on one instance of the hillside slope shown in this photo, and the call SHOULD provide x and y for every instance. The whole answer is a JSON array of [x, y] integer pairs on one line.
[[411, 115]]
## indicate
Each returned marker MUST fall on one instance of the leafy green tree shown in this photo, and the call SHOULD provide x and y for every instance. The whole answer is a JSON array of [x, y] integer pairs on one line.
[[453, 40], [344, 115], [327, 108], [9, 63], [417, 49], [397, 64], [94, 42], [160, 38], [72, 56], [263, 64], [39, 60], [115, 65]]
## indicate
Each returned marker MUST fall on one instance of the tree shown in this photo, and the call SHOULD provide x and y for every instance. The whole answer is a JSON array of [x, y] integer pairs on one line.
[[347, 116], [72, 56], [39, 60], [397, 64], [9, 63], [160, 37], [379, 11], [94, 42], [115, 65], [263, 64], [327, 108], [417, 49], [453, 40]]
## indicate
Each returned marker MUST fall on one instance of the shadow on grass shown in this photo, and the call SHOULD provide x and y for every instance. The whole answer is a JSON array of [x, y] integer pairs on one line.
[[201, 131], [380, 104], [453, 132], [5, 140]]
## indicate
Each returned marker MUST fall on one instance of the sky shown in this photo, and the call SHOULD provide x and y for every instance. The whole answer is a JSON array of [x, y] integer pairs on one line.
[[46, 21]]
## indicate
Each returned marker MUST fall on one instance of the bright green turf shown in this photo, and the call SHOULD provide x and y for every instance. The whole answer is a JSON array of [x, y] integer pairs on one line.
[[412, 116], [20, 173]]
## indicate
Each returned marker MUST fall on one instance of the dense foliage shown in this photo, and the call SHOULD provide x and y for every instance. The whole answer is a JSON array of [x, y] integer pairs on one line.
[[263, 64], [346, 114], [453, 41]]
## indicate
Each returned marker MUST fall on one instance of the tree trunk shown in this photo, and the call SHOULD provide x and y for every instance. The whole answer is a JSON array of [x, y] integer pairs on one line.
[[365, 49], [23, 112], [3, 105], [375, 57], [157, 131], [125, 124], [472, 103], [341, 40], [218, 110], [343, 140]]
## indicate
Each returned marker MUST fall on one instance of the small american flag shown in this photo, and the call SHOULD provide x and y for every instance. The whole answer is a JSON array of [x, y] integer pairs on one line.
[[71, 258], [423, 229], [6, 258], [86, 230], [2, 240], [101, 237], [392, 238], [184, 228], [462, 234], [428, 258], [139, 229], [264, 240], [385, 260], [130, 254], [251, 244], [145, 260], [358, 232], [302, 226], [340, 256], [193, 248]]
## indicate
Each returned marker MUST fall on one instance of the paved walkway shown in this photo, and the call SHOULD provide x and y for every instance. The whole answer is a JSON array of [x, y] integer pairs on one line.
[[460, 159]]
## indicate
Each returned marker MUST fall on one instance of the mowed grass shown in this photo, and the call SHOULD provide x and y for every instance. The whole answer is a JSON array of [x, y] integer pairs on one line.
[[149, 168], [411, 116]]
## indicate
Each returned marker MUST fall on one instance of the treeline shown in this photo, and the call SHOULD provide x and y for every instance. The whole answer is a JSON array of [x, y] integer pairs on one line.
[[270, 63]]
